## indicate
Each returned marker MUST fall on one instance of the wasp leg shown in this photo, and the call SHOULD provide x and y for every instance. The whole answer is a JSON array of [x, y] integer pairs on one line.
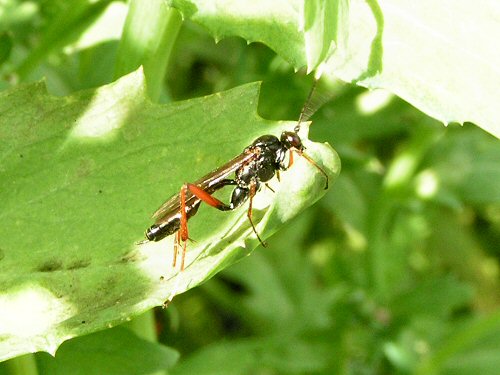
[[310, 160], [253, 190], [183, 234], [239, 196]]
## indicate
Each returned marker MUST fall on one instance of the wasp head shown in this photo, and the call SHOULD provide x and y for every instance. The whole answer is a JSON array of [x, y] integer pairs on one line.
[[291, 140]]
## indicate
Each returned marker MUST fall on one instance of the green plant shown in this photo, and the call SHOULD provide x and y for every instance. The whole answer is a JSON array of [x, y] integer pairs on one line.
[[395, 270]]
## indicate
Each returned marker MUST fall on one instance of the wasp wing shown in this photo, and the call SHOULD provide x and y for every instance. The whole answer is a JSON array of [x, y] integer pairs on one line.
[[209, 183]]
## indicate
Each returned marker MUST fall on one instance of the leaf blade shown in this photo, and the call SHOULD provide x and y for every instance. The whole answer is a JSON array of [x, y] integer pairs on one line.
[[94, 166]]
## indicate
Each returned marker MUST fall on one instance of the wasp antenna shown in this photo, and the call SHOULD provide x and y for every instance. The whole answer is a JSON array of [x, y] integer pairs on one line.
[[303, 116], [320, 93]]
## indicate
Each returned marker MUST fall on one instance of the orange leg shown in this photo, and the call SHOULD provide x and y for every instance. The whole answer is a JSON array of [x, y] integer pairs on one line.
[[183, 230], [214, 202], [290, 159], [177, 240], [182, 234], [205, 197], [308, 158]]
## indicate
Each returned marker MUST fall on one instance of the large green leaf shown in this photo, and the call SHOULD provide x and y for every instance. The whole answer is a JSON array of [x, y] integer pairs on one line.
[[113, 351], [441, 58], [276, 354], [273, 23], [80, 177]]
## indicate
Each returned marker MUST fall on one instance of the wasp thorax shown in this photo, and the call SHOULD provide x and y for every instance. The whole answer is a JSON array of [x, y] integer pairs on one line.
[[291, 140]]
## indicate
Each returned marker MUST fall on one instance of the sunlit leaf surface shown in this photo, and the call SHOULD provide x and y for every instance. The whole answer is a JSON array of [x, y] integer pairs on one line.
[[81, 176], [440, 57]]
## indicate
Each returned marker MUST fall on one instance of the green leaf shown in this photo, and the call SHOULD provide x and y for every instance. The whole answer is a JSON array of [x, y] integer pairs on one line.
[[65, 28], [437, 297], [440, 58], [466, 163], [270, 22], [148, 46], [276, 354], [325, 25], [107, 27], [81, 176], [278, 298], [114, 351]]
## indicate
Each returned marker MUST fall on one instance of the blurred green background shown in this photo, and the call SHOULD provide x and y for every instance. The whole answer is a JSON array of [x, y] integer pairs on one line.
[[395, 271]]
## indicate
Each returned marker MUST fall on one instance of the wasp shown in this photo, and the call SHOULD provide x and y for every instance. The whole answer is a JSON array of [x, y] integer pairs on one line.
[[256, 165]]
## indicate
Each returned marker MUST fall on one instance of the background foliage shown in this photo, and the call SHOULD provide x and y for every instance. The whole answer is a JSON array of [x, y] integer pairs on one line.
[[394, 271]]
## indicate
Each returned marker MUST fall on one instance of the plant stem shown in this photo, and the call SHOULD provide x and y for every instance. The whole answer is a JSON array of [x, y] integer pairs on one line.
[[148, 36], [64, 30]]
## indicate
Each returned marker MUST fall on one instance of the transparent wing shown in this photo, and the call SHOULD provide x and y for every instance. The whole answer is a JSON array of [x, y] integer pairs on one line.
[[208, 183], [319, 95]]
